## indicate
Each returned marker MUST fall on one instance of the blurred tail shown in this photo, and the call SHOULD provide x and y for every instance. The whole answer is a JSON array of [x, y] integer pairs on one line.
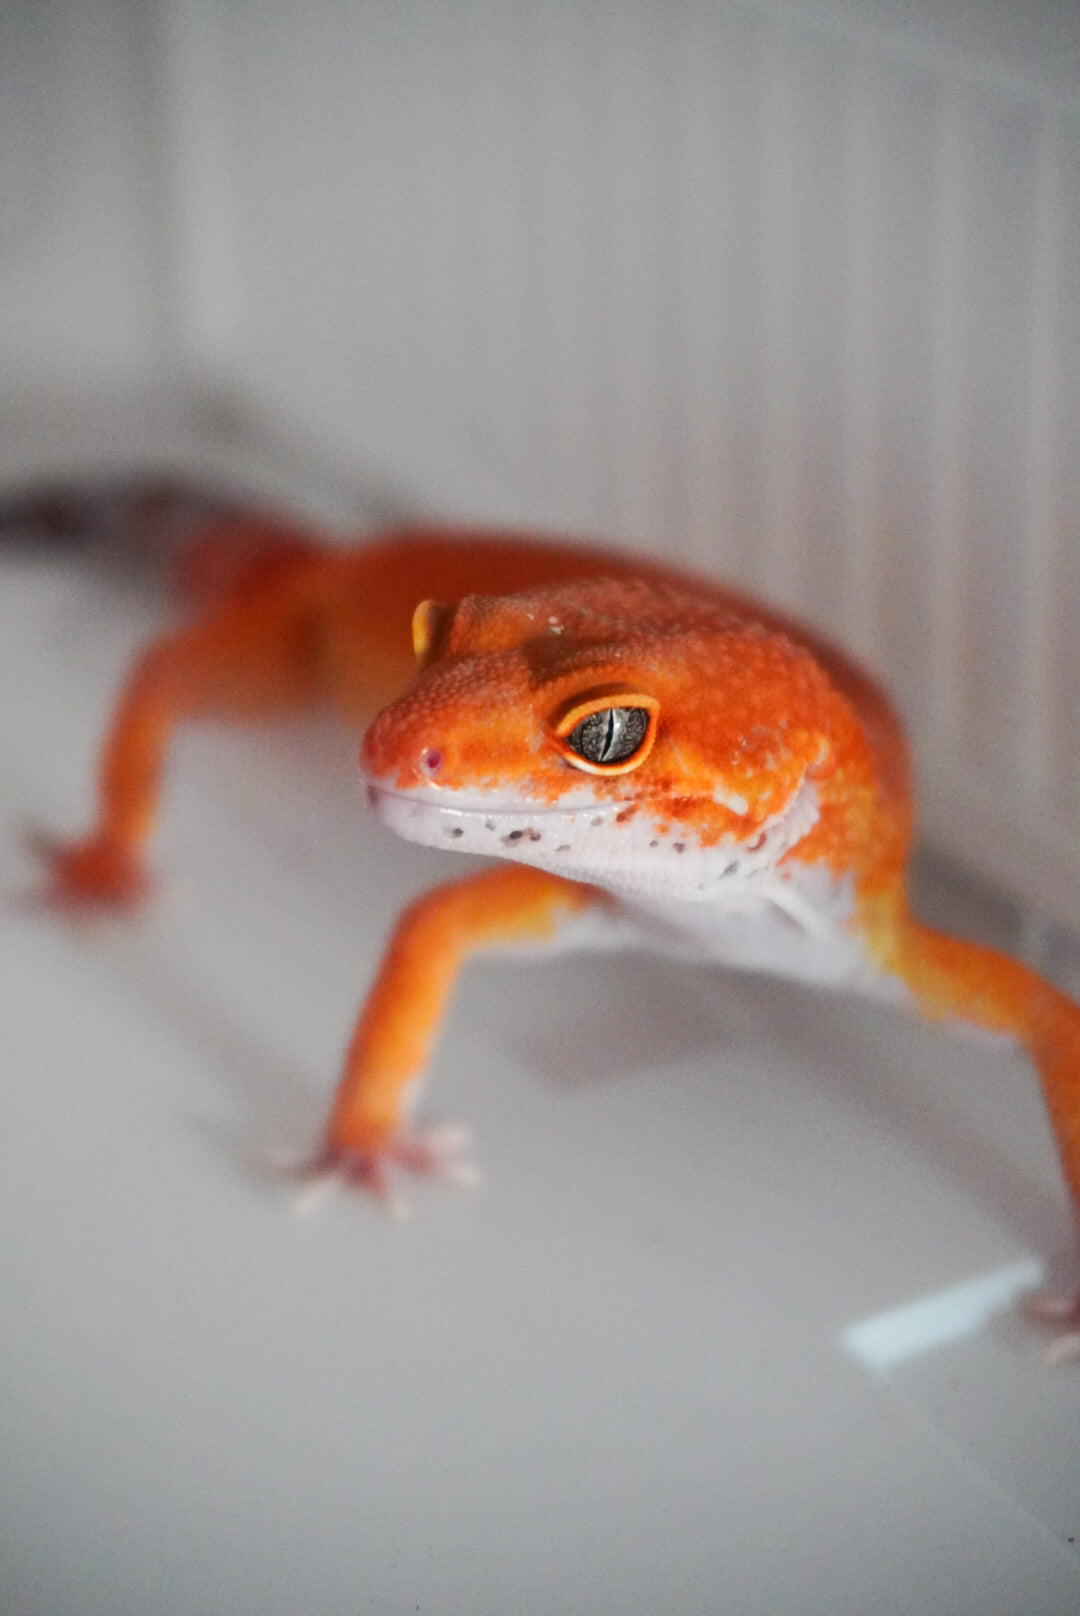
[[135, 524], [200, 546], [230, 555]]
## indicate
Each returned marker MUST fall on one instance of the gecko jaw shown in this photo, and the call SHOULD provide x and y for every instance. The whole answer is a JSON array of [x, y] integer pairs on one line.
[[595, 841]]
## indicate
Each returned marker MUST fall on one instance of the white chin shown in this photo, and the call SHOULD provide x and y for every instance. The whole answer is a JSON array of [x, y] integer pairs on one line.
[[586, 842]]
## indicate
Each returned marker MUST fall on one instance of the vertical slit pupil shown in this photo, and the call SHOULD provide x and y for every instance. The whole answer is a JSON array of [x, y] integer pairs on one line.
[[611, 735]]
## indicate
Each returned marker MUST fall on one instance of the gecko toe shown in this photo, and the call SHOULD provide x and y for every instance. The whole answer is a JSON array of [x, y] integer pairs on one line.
[[437, 1153], [1058, 1311]]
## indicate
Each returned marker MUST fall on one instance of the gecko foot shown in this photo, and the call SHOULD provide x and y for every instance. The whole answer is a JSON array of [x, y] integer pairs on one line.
[[1058, 1311], [91, 874], [437, 1153]]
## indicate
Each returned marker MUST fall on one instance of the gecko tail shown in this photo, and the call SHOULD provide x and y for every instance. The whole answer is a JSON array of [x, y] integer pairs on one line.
[[201, 546], [135, 524], [233, 554]]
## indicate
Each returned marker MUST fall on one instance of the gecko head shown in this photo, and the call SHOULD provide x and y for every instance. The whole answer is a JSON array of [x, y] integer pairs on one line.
[[640, 738]]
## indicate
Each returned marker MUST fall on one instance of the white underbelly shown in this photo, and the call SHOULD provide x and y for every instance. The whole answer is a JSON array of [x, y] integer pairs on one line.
[[796, 925]]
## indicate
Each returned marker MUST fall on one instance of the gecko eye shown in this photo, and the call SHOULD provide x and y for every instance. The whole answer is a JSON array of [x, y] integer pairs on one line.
[[610, 736], [609, 732]]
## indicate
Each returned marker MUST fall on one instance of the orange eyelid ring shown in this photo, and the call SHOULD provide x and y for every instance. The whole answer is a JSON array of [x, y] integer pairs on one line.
[[430, 621], [599, 699]]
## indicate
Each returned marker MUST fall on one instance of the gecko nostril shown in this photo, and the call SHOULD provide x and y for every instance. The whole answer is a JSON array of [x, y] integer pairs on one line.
[[431, 761]]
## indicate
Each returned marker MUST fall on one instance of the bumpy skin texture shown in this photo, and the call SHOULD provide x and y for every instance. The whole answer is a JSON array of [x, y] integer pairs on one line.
[[775, 768]]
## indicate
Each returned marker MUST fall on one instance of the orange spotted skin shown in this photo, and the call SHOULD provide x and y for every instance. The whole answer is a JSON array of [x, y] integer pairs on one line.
[[746, 711], [736, 700]]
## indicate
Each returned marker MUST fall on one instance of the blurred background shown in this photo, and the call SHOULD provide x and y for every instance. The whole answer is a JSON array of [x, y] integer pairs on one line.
[[790, 291]]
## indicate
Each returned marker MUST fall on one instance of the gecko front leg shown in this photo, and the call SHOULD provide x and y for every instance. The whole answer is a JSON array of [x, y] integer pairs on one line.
[[368, 1132], [950, 976]]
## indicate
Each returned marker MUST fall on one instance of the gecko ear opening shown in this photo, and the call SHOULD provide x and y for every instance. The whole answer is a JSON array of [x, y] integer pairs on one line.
[[430, 623], [609, 730]]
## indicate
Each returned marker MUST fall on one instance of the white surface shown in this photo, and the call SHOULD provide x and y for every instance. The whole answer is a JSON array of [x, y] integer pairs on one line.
[[941, 1317], [611, 1381]]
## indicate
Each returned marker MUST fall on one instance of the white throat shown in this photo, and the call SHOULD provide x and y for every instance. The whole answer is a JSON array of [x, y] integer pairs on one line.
[[586, 839]]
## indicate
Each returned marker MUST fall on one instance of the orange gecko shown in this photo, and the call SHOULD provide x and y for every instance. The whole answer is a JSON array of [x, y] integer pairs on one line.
[[648, 754]]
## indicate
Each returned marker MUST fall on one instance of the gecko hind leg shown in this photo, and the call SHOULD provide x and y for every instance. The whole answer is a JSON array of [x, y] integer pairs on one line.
[[253, 657]]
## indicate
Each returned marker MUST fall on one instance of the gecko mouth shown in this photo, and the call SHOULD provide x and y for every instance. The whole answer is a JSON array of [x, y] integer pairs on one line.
[[610, 844], [472, 819]]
